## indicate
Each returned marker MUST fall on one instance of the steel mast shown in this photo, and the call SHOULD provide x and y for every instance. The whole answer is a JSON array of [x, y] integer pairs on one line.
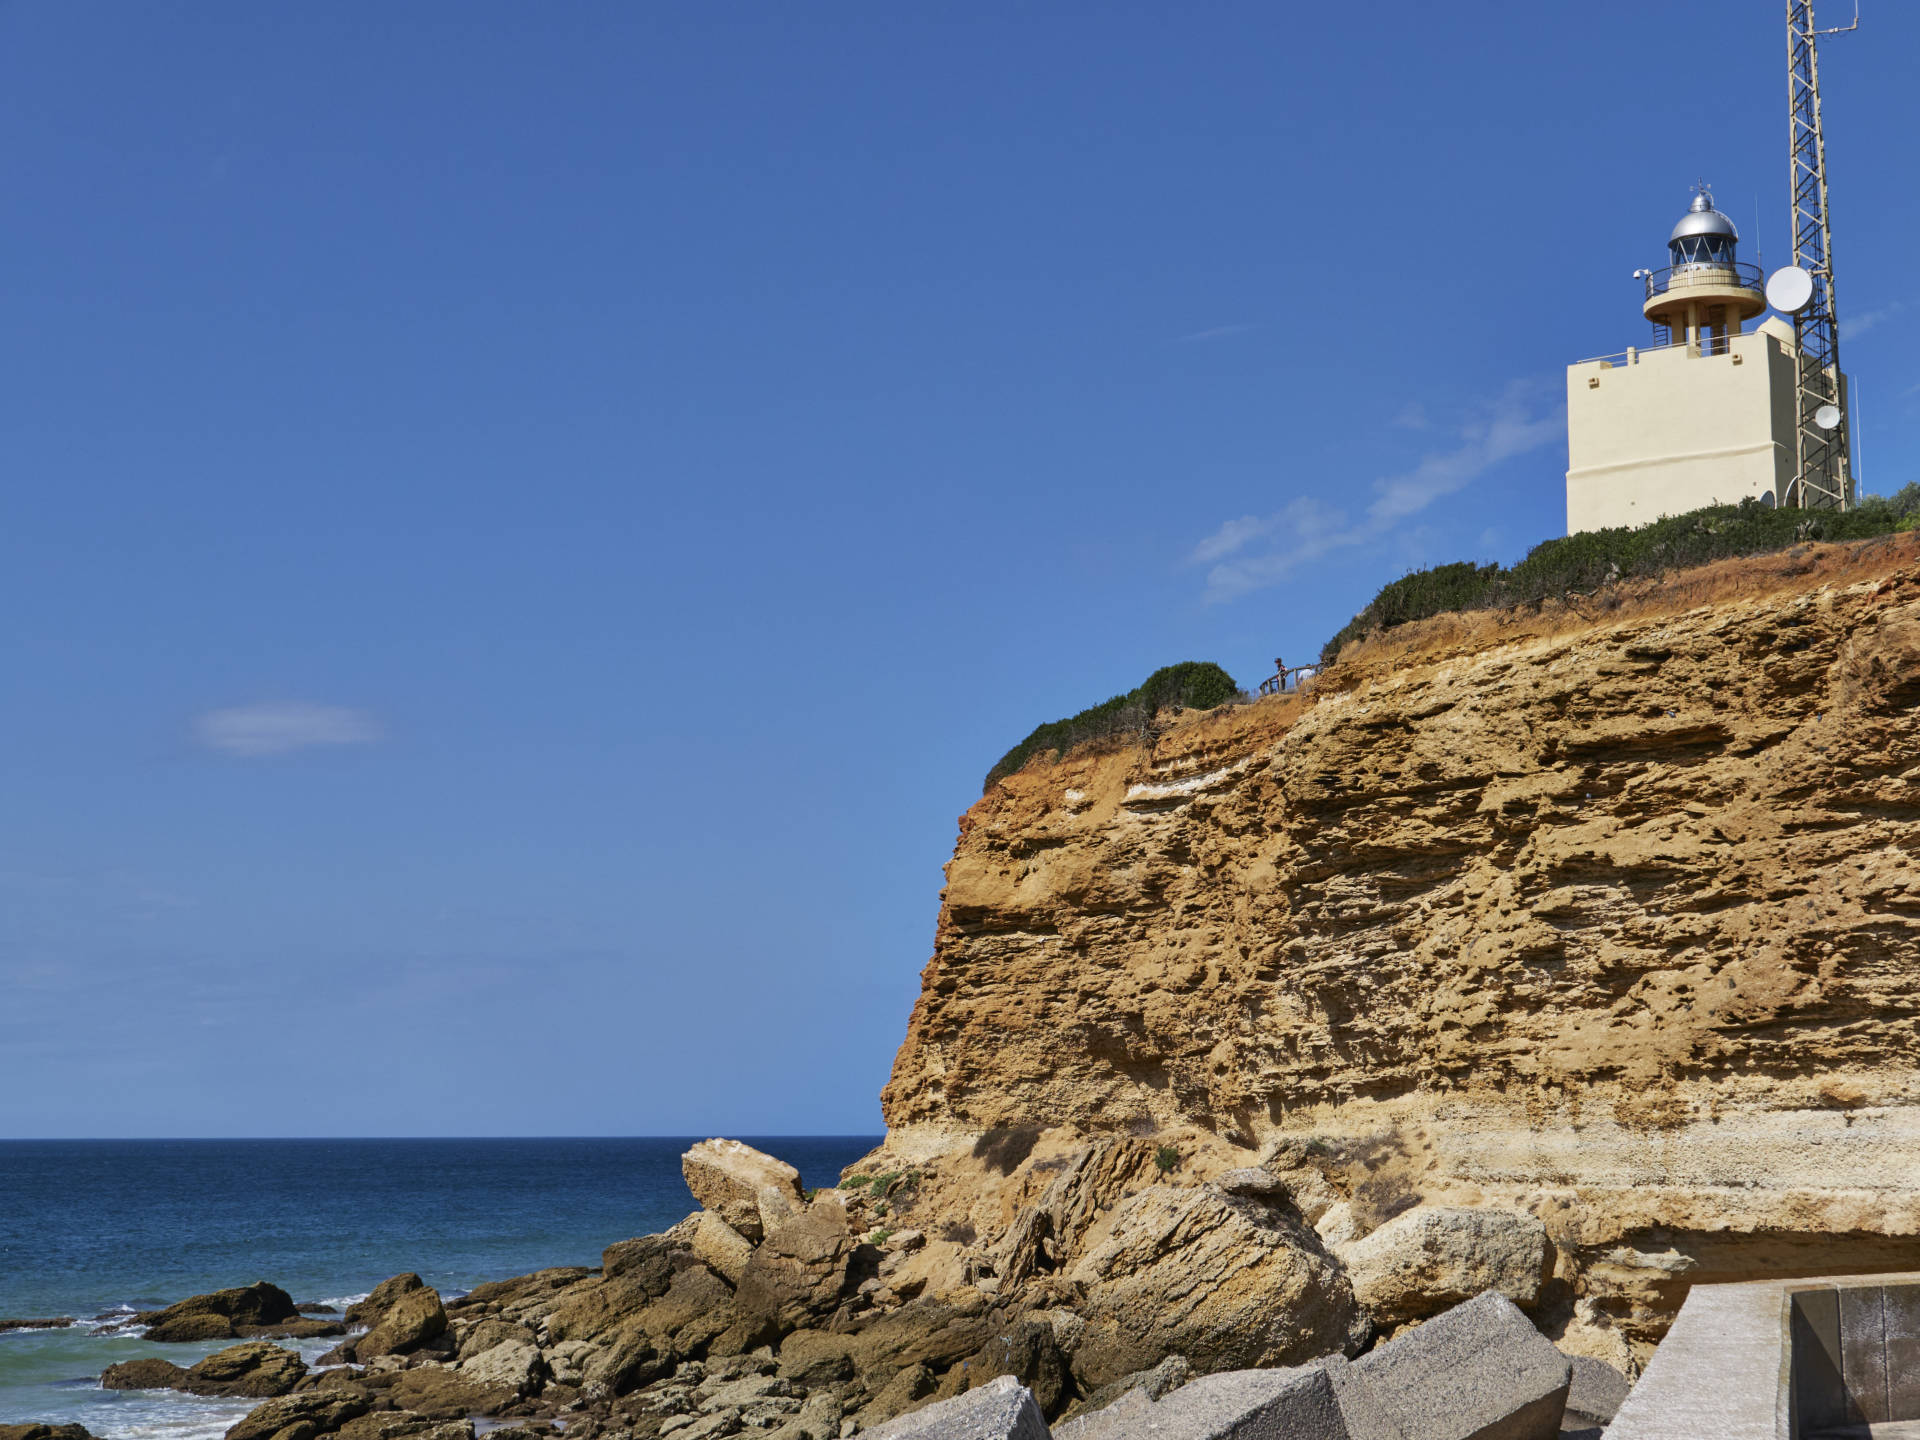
[[1824, 479]]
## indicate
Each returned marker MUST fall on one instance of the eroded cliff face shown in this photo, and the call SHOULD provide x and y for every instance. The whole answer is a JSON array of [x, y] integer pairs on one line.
[[1615, 920]]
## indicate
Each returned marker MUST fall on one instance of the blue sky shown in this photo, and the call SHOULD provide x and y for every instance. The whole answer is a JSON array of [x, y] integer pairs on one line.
[[524, 526]]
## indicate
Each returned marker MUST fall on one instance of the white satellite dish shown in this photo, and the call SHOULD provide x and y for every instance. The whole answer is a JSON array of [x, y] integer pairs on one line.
[[1827, 416], [1789, 290]]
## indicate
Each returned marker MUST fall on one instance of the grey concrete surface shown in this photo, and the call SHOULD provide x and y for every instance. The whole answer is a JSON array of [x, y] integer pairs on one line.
[[1784, 1360], [1111, 1422], [1001, 1409], [1597, 1390], [1480, 1371], [1717, 1375], [1326, 1400], [1292, 1404]]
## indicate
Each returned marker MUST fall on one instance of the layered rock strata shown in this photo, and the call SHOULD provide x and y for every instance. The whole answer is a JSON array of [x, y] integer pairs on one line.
[[1612, 919]]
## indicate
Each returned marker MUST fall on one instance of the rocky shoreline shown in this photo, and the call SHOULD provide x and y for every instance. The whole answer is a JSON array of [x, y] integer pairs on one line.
[[819, 1316]]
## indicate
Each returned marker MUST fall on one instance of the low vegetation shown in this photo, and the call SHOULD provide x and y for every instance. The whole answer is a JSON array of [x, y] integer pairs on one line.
[[882, 1187], [1581, 564], [1193, 685]]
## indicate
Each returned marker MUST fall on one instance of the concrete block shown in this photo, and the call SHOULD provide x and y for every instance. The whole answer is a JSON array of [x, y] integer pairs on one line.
[[1360, 1408], [1480, 1371], [1597, 1390], [1901, 1311], [1114, 1421], [1298, 1403], [1819, 1390], [1326, 1400], [1718, 1372], [1863, 1353], [1001, 1409]]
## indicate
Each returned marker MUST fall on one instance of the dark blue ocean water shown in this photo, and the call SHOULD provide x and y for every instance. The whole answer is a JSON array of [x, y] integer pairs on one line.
[[89, 1226]]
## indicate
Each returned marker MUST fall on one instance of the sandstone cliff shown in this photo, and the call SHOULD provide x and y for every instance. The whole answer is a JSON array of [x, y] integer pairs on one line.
[[1611, 917]]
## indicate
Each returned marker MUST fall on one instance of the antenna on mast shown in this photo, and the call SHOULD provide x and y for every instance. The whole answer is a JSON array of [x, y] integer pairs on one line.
[[1822, 479]]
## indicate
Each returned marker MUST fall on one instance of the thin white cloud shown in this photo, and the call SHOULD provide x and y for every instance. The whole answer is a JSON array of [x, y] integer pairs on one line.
[[278, 728], [1218, 332], [1412, 416], [1854, 326], [1232, 536], [1308, 529], [1511, 431]]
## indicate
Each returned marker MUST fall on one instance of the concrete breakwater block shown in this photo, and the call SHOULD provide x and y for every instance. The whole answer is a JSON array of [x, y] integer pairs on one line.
[[1001, 1409], [1598, 1390], [1298, 1403], [1478, 1372]]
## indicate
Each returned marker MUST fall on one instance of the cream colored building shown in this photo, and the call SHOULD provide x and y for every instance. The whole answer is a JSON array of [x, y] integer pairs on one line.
[[1706, 418]]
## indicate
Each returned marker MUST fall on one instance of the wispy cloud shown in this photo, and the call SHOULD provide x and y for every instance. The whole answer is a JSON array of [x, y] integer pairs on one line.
[[1854, 326], [1232, 536], [1308, 529], [1218, 332], [1412, 416], [282, 727]]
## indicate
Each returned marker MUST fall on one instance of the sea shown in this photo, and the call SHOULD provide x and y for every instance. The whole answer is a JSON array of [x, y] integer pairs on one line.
[[99, 1229]]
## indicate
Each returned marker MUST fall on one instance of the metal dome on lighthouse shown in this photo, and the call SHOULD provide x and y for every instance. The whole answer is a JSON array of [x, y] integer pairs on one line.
[[1705, 294], [1704, 235]]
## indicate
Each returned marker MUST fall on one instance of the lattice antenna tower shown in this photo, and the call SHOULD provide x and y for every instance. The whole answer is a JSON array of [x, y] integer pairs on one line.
[[1824, 479]]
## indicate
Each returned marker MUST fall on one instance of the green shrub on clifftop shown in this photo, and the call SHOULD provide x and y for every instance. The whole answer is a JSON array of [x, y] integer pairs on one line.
[[1193, 684], [1580, 564]]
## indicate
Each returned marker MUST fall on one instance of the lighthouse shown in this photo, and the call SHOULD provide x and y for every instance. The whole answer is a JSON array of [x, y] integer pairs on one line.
[[1706, 414], [1705, 294]]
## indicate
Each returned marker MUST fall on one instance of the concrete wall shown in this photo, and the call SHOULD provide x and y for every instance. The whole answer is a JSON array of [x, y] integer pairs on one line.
[[1673, 430], [1856, 1355], [1782, 1360]]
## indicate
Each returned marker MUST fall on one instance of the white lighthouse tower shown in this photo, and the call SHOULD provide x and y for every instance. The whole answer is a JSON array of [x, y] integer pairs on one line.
[[1706, 415]]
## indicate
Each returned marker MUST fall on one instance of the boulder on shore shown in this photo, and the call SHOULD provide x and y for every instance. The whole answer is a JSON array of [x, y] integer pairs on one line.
[[400, 1425], [222, 1314], [512, 1364], [1434, 1256], [442, 1394], [405, 1314], [303, 1415], [255, 1369], [38, 1431], [750, 1190], [803, 1269], [381, 1298], [147, 1373], [724, 1248], [1229, 1281]]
